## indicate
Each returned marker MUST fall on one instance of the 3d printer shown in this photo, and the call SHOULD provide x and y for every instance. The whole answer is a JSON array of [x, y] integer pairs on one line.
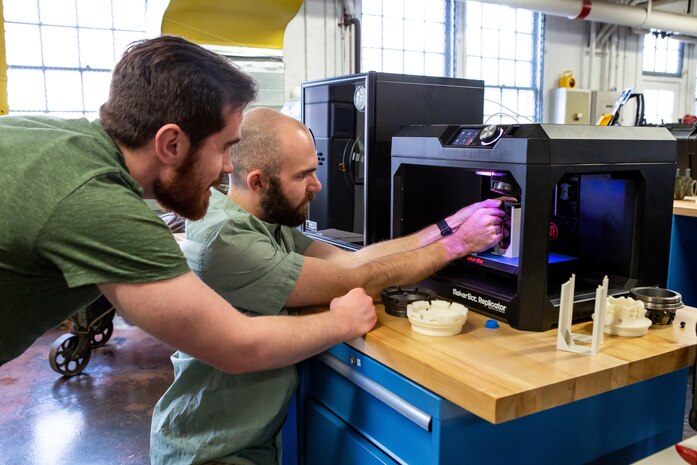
[[591, 200]]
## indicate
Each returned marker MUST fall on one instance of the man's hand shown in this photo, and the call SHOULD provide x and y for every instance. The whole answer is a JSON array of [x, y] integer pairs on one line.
[[356, 310], [462, 215], [480, 232]]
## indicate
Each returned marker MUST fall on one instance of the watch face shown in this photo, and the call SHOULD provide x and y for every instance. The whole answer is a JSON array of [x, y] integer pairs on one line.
[[359, 98]]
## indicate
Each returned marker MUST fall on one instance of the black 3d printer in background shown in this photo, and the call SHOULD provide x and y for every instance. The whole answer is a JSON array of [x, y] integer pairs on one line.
[[353, 119], [592, 200]]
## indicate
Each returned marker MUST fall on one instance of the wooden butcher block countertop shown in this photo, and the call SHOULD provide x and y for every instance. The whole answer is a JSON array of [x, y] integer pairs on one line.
[[685, 207], [502, 374]]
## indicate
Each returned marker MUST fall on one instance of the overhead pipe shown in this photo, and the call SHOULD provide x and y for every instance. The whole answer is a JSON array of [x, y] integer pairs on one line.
[[644, 17]]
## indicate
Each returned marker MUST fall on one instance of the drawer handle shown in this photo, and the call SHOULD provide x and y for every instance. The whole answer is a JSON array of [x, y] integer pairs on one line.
[[401, 406]]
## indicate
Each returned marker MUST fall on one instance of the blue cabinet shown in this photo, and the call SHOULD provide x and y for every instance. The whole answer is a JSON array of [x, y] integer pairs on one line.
[[355, 411], [682, 267]]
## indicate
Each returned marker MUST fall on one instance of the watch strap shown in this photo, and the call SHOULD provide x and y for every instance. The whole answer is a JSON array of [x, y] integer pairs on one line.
[[445, 229]]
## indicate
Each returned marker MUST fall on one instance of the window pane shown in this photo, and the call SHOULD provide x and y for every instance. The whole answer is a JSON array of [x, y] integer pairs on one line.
[[414, 63], [393, 61], [507, 73], [393, 36], [129, 14], [523, 47], [413, 35], [393, 9], [371, 36], [662, 55], [372, 7], [473, 15], [474, 68], [25, 90], [524, 21], [526, 104], [660, 60], [523, 74], [435, 11], [95, 88], [96, 48], [507, 44], [22, 45], [403, 31], [63, 90], [413, 9], [21, 11], [509, 99], [371, 59], [435, 64], [67, 41], [500, 41], [60, 46], [435, 37], [94, 13], [507, 19], [490, 71], [659, 106], [473, 42], [58, 12], [491, 44]]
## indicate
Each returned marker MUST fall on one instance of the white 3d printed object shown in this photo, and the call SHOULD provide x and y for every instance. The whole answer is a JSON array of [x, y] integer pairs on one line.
[[626, 317], [566, 340], [437, 317]]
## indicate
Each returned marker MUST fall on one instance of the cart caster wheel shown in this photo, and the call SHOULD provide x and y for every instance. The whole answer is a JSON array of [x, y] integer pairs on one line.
[[102, 333], [65, 358]]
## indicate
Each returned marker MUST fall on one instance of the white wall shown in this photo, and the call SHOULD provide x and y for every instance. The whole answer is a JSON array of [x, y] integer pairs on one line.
[[315, 46]]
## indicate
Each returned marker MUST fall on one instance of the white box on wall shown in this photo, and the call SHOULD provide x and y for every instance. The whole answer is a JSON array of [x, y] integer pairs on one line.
[[570, 106]]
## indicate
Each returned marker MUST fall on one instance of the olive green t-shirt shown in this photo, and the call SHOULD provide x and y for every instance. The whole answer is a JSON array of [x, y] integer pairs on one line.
[[207, 414], [71, 217]]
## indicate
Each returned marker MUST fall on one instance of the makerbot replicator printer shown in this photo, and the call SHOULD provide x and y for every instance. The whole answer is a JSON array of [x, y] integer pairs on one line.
[[589, 200]]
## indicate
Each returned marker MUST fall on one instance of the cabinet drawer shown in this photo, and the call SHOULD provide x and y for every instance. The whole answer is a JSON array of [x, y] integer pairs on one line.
[[390, 411], [331, 441]]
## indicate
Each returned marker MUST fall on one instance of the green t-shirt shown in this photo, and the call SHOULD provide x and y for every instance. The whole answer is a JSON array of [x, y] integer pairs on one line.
[[206, 414], [72, 217]]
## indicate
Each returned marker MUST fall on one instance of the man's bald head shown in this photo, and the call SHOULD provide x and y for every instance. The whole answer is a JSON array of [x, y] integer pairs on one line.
[[263, 133]]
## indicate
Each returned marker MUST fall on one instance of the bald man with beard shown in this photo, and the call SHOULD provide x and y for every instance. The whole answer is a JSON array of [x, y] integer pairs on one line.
[[249, 250]]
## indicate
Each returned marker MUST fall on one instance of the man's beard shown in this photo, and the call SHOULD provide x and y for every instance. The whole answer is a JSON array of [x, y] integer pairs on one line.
[[279, 210], [183, 193]]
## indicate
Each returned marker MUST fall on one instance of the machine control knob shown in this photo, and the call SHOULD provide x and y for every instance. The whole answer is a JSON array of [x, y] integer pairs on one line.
[[490, 134]]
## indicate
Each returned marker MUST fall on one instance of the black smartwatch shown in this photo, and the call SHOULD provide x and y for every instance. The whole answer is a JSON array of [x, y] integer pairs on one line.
[[444, 228]]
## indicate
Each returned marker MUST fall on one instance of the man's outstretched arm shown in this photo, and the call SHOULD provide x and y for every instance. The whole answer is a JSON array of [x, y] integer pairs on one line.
[[186, 314]]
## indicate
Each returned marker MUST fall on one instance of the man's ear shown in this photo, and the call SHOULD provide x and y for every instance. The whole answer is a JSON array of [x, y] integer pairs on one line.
[[257, 181], [171, 144]]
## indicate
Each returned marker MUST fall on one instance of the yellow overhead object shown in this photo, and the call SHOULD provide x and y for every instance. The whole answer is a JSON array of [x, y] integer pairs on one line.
[[243, 23], [4, 107]]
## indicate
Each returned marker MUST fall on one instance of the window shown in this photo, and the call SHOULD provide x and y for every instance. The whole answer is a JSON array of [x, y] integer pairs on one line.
[[408, 37], [60, 53], [503, 47], [662, 55]]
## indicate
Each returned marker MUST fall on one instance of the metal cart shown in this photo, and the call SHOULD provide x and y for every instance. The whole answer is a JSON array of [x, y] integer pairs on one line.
[[92, 328]]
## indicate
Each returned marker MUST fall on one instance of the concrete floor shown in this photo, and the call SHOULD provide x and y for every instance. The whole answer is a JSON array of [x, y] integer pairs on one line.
[[99, 417]]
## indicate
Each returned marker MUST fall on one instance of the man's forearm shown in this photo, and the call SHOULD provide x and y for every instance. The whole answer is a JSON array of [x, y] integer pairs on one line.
[[402, 269], [419, 239]]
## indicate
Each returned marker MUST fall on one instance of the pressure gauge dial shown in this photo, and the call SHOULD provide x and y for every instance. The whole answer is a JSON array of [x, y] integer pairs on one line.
[[490, 134], [359, 98]]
